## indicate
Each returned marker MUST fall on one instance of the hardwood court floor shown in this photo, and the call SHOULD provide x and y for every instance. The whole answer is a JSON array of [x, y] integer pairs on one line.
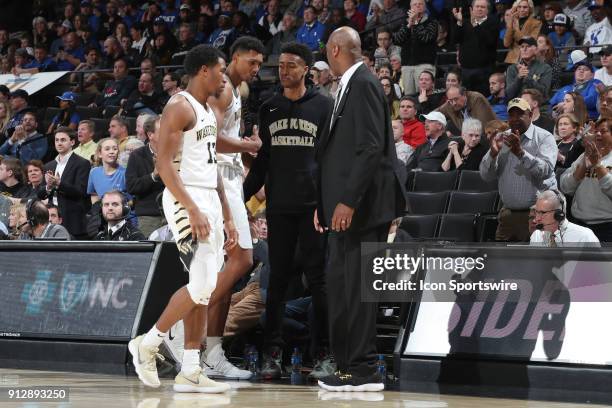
[[109, 391]]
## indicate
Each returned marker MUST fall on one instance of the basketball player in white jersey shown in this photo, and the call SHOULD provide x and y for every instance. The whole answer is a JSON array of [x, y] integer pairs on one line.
[[246, 59], [195, 207]]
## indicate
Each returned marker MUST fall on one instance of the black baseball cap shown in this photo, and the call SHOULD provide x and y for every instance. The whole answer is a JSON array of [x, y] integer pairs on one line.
[[528, 40], [20, 93]]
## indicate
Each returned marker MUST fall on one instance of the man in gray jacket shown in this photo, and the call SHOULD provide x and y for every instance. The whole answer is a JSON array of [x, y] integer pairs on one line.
[[39, 226], [528, 72]]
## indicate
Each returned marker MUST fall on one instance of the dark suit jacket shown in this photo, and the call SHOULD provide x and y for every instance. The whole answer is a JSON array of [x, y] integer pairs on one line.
[[72, 198], [358, 163]]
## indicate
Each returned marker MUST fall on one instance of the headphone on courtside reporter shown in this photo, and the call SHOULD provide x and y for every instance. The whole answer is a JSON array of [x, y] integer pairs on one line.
[[35, 217], [559, 214]]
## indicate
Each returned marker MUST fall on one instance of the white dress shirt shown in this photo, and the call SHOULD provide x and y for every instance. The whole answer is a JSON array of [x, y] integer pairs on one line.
[[568, 234]]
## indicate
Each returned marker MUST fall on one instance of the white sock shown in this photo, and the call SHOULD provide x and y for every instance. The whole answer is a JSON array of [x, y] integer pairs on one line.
[[191, 361], [153, 338]]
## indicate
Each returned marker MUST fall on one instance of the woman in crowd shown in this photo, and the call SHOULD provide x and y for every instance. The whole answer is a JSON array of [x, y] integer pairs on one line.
[[519, 23], [35, 176], [17, 220], [550, 10], [548, 55], [392, 100], [68, 115], [453, 77], [5, 115], [573, 102], [467, 153], [570, 147], [108, 175]]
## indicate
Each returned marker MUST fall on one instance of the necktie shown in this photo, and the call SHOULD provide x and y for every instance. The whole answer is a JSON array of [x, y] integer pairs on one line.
[[552, 243], [338, 97]]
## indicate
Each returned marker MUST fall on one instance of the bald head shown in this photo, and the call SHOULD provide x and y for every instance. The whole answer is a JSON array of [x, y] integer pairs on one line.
[[347, 39]]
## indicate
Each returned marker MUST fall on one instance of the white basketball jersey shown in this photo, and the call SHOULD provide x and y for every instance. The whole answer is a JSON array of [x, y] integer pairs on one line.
[[231, 127], [197, 161]]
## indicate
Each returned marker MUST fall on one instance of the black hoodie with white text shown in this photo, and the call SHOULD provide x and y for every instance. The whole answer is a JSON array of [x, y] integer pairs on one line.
[[290, 132]]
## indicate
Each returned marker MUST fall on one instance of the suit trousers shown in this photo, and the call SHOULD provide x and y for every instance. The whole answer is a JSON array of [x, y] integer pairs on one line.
[[285, 233], [352, 322]]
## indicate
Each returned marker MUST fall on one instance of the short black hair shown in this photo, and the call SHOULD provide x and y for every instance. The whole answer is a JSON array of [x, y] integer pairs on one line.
[[247, 43], [50, 206], [66, 130], [4, 90], [199, 56], [300, 50]]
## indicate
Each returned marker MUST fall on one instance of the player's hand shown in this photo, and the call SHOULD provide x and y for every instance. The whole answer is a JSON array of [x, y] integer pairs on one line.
[[254, 142], [232, 235], [200, 228], [341, 220], [317, 226]]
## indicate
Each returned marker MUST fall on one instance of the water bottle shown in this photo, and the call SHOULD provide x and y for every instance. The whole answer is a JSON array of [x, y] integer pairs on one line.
[[381, 367], [254, 361], [296, 361]]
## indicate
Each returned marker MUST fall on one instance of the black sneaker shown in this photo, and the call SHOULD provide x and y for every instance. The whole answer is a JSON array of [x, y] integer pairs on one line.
[[340, 381], [271, 367]]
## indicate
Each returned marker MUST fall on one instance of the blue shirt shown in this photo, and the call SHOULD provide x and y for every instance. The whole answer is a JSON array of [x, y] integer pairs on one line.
[[45, 65], [26, 150], [74, 118], [311, 36], [588, 90], [500, 108], [67, 66], [100, 183]]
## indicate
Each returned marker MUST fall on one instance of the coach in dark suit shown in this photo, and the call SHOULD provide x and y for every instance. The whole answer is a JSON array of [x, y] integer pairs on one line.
[[67, 186], [360, 193]]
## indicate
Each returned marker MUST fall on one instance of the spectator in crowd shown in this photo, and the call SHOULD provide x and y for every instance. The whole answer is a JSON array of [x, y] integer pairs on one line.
[[139, 41], [67, 116], [143, 181], [161, 50], [522, 161], [117, 89], [520, 24], [354, 15], [272, 21], [287, 33], [21, 59], [385, 46], [321, 78], [224, 36], [535, 99], [552, 227], [462, 104], [186, 38], [389, 16], [66, 183], [584, 83], [392, 99], [39, 226], [467, 153], [573, 103], [129, 53], [35, 178], [605, 102], [17, 220], [413, 129], [144, 99], [395, 60], [604, 74], [41, 34], [11, 179], [140, 120], [590, 181], [417, 39], [118, 130], [71, 55], [5, 93], [132, 144], [562, 35], [92, 62], [403, 150], [477, 41], [498, 99], [430, 155], [600, 32], [428, 97], [570, 147], [528, 71], [170, 86], [55, 217], [547, 54], [311, 33], [42, 62], [579, 13], [87, 147], [550, 10], [368, 60], [115, 210], [5, 115], [26, 143], [108, 175], [19, 106], [452, 78]]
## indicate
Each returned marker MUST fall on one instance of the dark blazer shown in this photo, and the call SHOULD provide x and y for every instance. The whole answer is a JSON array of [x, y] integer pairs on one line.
[[358, 163], [72, 198]]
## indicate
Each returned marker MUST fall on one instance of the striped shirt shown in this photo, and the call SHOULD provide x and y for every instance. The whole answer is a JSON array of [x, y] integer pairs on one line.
[[520, 179]]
